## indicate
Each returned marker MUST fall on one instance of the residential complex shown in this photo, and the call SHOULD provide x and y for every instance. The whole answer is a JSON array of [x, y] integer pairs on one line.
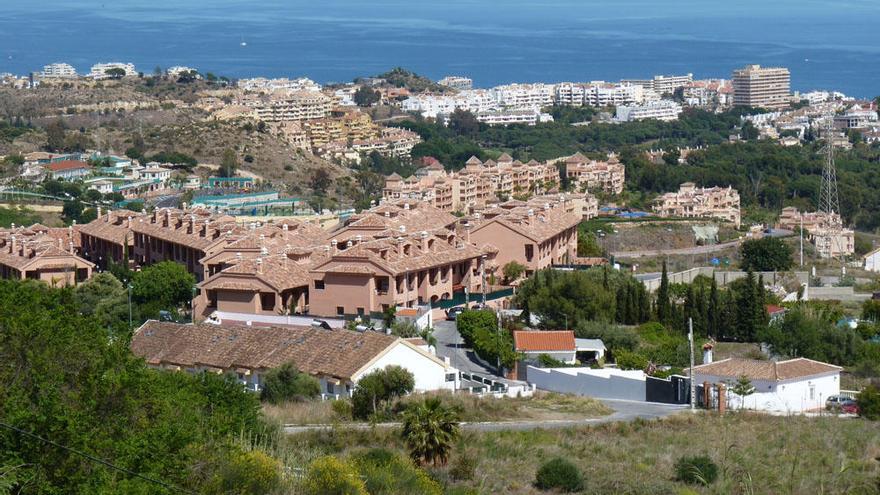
[[593, 175], [268, 85], [762, 87], [475, 185], [825, 231], [58, 70], [99, 71], [456, 82], [700, 202], [662, 85], [282, 105], [660, 110], [42, 253]]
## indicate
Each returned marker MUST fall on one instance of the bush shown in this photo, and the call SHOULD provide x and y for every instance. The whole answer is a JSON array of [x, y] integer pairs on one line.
[[696, 470], [332, 476], [246, 473], [559, 473], [287, 383], [389, 473], [629, 360], [869, 403], [341, 408], [464, 467]]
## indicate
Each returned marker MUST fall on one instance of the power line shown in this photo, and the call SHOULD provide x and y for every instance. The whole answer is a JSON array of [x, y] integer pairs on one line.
[[98, 460]]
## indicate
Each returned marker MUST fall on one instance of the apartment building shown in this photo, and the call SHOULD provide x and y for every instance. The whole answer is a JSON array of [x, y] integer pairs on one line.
[[392, 141], [606, 176], [601, 94], [524, 96], [58, 70], [68, 169], [178, 70], [474, 185], [660, 84], [700, 202], [43, 253], [269, 85], [508, 117], [762, 87], [99, 71], [665, 110], [281, 105], [534, 237], [457, 82], [826, 231]]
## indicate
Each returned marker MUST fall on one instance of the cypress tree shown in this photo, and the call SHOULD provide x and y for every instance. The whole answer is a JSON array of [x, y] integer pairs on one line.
[[663, 310], [748, 319], [690, 306], [632, 310], [714, 311], [621, 305]]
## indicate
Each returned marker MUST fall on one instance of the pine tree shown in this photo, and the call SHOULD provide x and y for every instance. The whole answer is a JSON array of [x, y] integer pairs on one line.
[[664, 312]]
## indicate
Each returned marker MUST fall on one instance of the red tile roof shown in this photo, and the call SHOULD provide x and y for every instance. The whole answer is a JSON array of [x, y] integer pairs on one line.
[[66, 165], [766, 370], [544, 340]]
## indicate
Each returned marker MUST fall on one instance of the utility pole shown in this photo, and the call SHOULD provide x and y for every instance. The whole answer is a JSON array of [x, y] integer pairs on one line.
[[802, 239], [483, 274], [129, 305], [691, 371]]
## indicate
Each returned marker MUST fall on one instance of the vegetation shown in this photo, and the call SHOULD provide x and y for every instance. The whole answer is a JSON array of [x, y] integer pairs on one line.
[[286, 384], [70, 388], [812, 332], [17, 215], [332, 476], [402, 78], [429, 431], [561, 474], [162, 286], [386, 472], [869, 403], [512, 271], [767, 254], [228, 164], [696, 470], [375, 390], [480, 331], [366, 96]]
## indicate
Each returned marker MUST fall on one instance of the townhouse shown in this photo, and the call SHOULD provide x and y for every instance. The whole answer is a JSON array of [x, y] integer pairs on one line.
[[68, 169], [825, 230], [43, 253], [700, 202]]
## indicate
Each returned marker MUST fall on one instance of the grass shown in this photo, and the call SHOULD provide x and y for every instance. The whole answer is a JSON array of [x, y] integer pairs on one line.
[[756, 454], [542, 406]]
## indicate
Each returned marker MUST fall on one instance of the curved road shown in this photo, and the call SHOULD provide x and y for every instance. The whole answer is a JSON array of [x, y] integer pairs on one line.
[[711, 248]]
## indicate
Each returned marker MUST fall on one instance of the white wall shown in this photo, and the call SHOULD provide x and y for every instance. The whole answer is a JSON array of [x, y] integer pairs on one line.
[[564, 356], [790, 396], [872, 262], [429, 374], [605, 383]]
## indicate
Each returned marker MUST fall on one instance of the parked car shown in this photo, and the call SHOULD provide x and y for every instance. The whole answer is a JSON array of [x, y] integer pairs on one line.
[[835, 401], [849, 407], [452, 313]]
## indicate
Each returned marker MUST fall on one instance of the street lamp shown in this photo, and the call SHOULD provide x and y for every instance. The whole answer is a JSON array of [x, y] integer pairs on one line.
[[128, 286]]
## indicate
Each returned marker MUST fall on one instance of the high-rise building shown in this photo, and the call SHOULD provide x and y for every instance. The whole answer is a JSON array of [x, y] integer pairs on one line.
[[59, 69], [764, 87]]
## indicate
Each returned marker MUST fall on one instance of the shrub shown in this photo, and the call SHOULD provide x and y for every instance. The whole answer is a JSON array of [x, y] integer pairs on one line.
[[388, 472], [630, 360], [341, 408], [869, 403], [286, 383], [696, 470], [332, 476], [559, 473], [249, 472], [464, 467]]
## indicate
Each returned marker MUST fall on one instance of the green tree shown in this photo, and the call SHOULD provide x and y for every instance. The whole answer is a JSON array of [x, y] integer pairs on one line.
[[664, 310], [166, 285], [464, 122], [115, 73], [871, 310], [332, 476], [743, 388], [378, 387], [228, 164], [869, 403], [429, 430], [320, 181], [512, 271], [366, 96], [559, 474], [286, 383], [766, 255]]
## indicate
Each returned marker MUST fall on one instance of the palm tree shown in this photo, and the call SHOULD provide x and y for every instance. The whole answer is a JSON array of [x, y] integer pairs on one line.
[[429, 430]]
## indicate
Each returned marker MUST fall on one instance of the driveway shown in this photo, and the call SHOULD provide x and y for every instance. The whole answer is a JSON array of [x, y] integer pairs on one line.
[[451, 345], [624, 411]]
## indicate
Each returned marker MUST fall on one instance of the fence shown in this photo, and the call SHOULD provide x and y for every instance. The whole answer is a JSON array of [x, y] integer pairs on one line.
[[601, 383], [722, 277], [458, 298]]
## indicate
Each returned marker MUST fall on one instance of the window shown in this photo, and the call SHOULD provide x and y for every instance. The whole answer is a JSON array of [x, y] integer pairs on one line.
[[267, 301], [450, 377], [812, 392], [530, 252], [319, 284], [331, 389], [340, 310], [360, 311]]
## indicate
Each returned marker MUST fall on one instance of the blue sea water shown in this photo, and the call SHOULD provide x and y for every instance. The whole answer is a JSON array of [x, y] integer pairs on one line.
[[826, 44]]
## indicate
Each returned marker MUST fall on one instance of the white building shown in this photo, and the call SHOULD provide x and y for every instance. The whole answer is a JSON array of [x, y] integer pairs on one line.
[[660, 110], [602, 94], [177, 70], [456, 82], [99, 71], [872, 261], [793, 386], [556, 344], [58, 70], [155, 172], [507, 117], [337, 358], [264, 84]]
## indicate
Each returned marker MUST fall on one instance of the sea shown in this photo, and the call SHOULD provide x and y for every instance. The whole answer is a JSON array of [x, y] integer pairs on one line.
[[827, 44]]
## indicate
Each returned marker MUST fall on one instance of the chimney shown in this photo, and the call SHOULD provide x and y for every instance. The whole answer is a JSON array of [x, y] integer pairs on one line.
[[707, 352], [406, 206], [333, 243], [284, 229], [99, 211], [60, 243], [424, 236], [192, 225], [400, 246], [167, 218], [70, 244], [467, 232], [238, 256], [205, 228], [387, 214], [183, 205], [127, 222], [260, 265], [348, 244], [402, 229]]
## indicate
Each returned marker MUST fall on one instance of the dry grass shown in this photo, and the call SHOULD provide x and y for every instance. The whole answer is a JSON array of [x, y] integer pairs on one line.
[[756, 454], [543, 406]]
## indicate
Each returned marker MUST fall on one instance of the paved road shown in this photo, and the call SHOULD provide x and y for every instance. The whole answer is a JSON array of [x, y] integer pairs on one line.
[[623, 411], [451, 345], [696, 249]]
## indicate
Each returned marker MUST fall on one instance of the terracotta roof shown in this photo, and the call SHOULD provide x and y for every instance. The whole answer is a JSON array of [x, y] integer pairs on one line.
[[66, 165], [547, 340], [336, 353], [766, 370]]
